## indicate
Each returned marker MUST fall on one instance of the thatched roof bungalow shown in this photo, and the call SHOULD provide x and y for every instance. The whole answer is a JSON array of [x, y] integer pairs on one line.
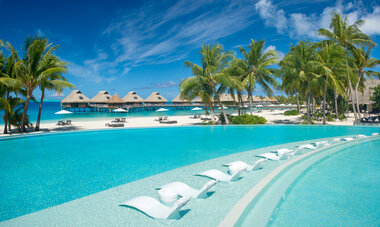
[[197, 100], [133, 98], [178, 100], [155, 98], [101, 98], [226, 98], [75, 99], [116, 101], [364, 98]]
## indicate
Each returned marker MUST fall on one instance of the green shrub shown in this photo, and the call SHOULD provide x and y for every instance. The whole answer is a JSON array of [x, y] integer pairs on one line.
[[330, 118], [208, 123], [222, 120], [342, 117], [291, 112], [247, 119]]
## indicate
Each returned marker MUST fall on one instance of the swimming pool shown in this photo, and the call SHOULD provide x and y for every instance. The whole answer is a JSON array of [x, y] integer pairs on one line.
[[343, 190], [38, 172]]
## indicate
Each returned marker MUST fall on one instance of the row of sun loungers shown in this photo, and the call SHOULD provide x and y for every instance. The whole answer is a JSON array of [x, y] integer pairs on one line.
[[370, 119], [165, 120], [62, 123], [195, 116], [117, 122], [175, 195]]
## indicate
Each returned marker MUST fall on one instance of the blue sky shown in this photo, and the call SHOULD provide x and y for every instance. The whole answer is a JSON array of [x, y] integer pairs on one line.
[[141, 45]]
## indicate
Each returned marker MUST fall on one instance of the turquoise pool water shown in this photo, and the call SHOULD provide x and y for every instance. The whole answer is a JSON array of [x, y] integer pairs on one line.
[[38, 172], [343, 190]]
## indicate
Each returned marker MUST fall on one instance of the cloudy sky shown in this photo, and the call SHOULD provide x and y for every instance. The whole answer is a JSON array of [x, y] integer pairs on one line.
[[141, 45]]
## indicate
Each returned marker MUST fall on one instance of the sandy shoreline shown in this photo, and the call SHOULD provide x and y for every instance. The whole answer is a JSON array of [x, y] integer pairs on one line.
[[273, 117]]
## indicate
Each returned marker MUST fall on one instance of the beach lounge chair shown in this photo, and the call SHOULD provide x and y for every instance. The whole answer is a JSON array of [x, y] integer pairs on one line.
[[270, 156], [258, 165], [205, 118], [114, 124], [347, 139], [234, 174], [123, 120], [61, 123], [283, 153], [375, 134], [321, 143], [158, 119], [336, 140], [68, 122], [360, 136], [154, 209], [166, 121], [116, 120], [185, 190]]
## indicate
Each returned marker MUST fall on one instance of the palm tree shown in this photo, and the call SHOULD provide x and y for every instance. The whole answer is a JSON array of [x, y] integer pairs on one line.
[[347, 36], [56, 82], [329, 62], [211, 77], [257, 68], [362, 63], [236, 73], [32, 69], [299, 68]]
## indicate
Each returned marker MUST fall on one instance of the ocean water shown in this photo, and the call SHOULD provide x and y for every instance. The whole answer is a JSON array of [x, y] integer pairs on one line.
[[41, 171], [343, 190], [50, 107]]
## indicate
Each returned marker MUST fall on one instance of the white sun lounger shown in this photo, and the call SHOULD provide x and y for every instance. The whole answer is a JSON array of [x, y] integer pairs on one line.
[[337, 140], [320, 143], [220, 176], [185, 190], [283, 153], [361, 136], [347, 139], [258, 165], [375, 134], [154, 209], [270, 156]]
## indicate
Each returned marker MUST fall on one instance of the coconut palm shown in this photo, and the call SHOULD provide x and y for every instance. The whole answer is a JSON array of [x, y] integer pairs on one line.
[[347, 36], [299, 68], [257, 69], [329, 63], [211, 76], [362, 63], [236, 73], [55, 82], [32, 69]]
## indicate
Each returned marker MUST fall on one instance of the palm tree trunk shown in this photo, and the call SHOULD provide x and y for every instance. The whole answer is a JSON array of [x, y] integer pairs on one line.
[[28, 96], [308, 108], [5, 122], [211, 111], [324, 105], [336, 104], [223, 112], [357, 97], [352, 98], [40, 110], [298, 103], [250, 104], [314, 106]]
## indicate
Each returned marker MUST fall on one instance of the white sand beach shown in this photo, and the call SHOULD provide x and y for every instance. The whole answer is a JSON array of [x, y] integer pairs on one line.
[[272, 117]]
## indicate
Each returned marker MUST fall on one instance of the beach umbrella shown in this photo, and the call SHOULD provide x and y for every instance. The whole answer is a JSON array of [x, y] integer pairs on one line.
[[63, 112], [197, 108], [120, 110], [223, 108], [161, 110], [259, 105]]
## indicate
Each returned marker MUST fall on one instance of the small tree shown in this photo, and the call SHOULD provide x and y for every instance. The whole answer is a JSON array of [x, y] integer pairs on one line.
[[376, 98]]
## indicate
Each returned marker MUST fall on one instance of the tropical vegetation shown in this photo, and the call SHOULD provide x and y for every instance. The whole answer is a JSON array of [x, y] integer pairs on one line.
[[21, 75], [326, 75]]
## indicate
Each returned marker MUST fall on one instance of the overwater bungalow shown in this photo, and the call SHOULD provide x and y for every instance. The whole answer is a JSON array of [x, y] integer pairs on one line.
[[75, 100], [155, 98], [115, 102], [101, 98], [132, 98], [197, 100], [178, 100]]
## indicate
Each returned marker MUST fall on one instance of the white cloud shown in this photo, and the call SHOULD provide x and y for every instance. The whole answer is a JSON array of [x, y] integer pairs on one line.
[[300, 25], [372, 22], [87, 73], [272, 16], [281, 54], [56, 94]]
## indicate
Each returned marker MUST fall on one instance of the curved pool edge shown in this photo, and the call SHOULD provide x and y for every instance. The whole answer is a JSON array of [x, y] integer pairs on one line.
[[265, 195]]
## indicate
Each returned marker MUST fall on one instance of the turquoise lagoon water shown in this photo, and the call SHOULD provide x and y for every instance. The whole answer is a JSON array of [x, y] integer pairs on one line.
[[343, 190], [50, 107], [41, 171]]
